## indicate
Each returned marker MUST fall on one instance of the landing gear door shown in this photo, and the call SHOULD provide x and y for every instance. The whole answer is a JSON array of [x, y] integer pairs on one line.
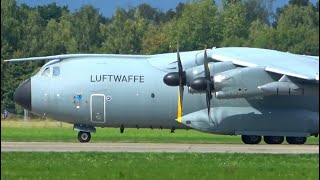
[[97, 108]]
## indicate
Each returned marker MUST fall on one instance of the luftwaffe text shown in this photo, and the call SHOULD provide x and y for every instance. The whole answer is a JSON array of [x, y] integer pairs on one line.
[[117, 78]]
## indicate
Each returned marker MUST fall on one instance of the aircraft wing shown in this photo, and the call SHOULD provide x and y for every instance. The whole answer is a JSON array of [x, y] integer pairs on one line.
[[69, 56], [294, 65]]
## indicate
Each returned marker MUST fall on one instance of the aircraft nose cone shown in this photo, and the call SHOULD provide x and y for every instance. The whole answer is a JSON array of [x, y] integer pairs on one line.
[[22, 95]]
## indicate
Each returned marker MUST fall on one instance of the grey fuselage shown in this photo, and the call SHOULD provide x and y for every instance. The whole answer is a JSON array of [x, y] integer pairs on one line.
[[129, 91]]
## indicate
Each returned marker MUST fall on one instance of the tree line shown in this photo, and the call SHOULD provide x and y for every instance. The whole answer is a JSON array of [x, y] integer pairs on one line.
[[52, 30]]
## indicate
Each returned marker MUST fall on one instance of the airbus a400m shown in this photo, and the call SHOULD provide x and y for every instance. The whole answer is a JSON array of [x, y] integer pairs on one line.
[[250, 92]]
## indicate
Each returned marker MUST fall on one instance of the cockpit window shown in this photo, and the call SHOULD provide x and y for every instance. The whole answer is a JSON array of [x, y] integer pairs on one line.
[[46, 72], [56, 71]]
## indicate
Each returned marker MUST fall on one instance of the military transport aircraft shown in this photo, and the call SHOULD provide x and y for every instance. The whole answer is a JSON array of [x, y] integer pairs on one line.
[[231, 91]]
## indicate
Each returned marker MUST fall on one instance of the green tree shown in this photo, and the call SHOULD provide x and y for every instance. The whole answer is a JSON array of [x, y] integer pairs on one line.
[[9, 38], [10, 28], [148, 13], [31, 39], [198, 26], [60, 37], [54, 42], [235, 26], [86, 24], [261, 35], [159, 39], [123, 36], [51, 11], [257, 9], [299, 2], [298, 30], [21, 36]]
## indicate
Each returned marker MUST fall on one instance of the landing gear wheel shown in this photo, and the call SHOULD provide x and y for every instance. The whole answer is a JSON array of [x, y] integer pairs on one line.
[[273, 139], [84, 136], [251, 139], [296, 140]]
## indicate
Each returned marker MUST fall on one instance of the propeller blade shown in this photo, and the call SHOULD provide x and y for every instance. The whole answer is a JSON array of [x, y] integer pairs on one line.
[[208, 79], [180, 108], [181, 89], [181, 84], [180, 71], [206, 66], [177, 79], [179, 60], [208, 100]]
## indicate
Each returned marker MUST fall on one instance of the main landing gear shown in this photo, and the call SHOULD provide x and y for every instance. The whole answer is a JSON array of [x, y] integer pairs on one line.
[[273, 139], [296, 140], [253, 139]]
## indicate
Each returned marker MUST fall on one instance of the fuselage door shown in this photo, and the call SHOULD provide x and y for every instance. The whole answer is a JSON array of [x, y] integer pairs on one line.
[[97, 108]]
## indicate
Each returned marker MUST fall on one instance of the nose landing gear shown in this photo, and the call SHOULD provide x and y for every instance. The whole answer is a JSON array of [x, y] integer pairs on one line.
[[85, 131], [84, 136]]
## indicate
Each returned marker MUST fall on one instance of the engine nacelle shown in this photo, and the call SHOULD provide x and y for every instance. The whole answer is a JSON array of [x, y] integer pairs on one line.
[[214, 68], [255, 81], [290, 88], [241, 82]]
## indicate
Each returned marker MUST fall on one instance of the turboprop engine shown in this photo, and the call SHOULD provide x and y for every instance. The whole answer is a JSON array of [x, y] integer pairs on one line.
[[198, 72], [252, 81]]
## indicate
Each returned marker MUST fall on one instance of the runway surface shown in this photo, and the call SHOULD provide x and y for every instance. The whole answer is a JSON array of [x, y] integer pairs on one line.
[[156, 147]]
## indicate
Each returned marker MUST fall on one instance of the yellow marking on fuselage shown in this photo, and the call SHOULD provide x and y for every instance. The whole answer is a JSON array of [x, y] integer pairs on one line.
[[179, 109]]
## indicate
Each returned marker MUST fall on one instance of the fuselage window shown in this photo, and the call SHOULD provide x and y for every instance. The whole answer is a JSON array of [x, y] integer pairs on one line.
[[56, 71], [46, 72]]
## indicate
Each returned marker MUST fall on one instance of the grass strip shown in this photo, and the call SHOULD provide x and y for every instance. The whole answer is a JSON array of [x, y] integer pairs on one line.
[[88, 165]]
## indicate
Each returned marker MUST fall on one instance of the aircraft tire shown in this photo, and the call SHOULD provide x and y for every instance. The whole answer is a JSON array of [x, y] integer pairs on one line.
[[296, 140], [273, 139], [84, 136], [251, 139]]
